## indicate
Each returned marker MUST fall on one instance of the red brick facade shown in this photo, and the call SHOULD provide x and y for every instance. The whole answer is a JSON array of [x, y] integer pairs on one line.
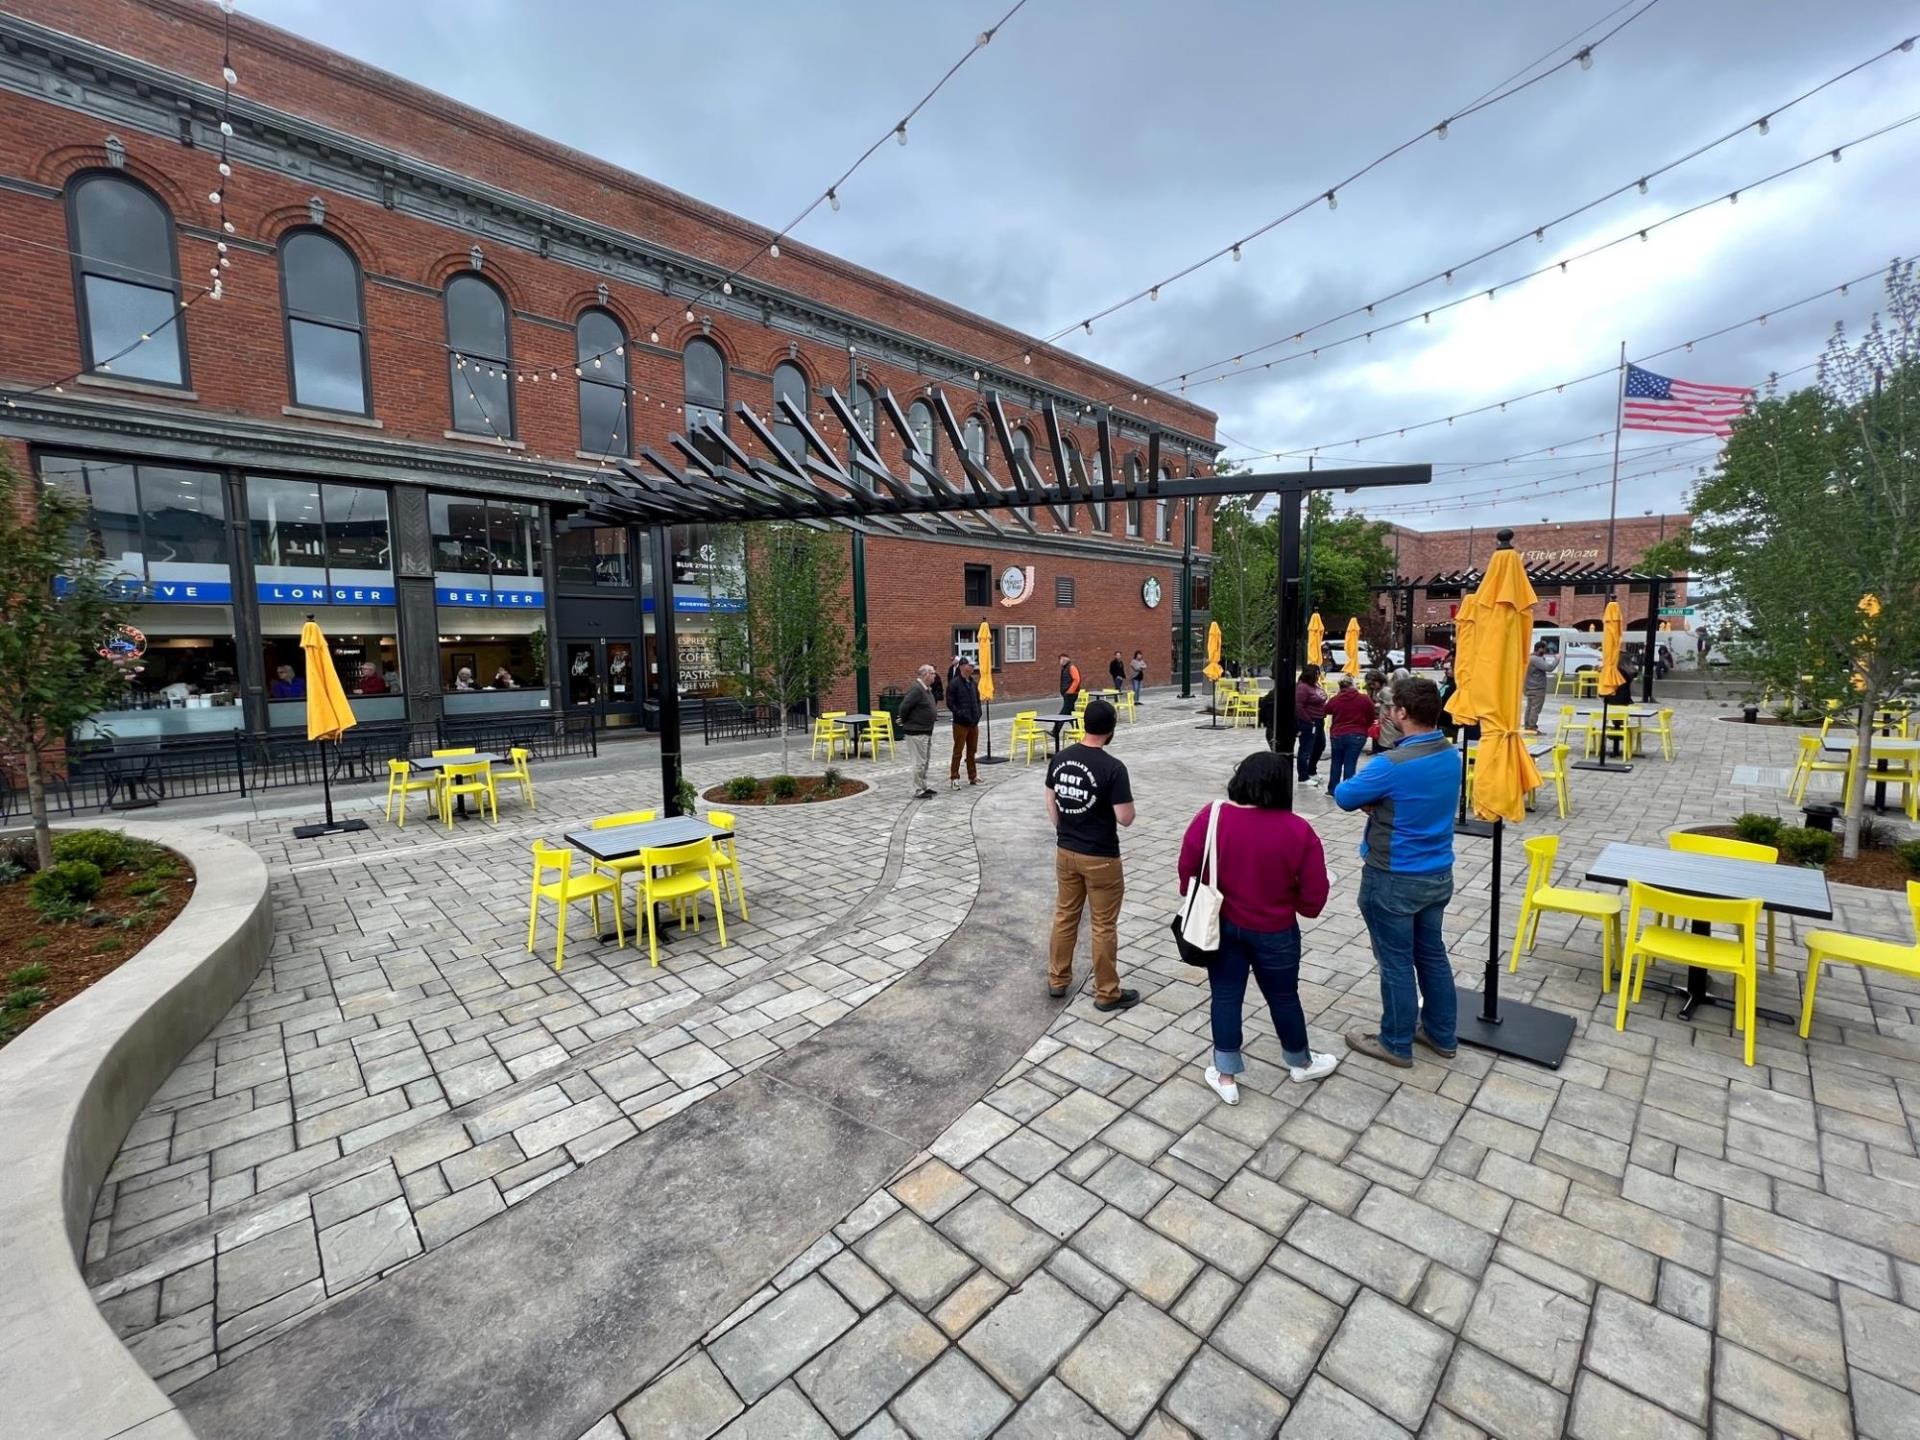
[[236, 346]]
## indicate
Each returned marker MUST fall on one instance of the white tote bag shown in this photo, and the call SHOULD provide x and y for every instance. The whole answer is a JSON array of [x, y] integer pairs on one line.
[[1196, 928]]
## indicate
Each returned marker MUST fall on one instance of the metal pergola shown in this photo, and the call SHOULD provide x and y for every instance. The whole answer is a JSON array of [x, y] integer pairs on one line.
[[713, 479], [1542, 577]]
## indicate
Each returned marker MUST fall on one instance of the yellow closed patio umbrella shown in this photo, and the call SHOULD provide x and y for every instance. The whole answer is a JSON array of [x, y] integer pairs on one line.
[[329, 716], [986, 661], [1869, 612], [1352, 667], [1465, 623], [1612, 629], [1316, 640], [1503, 771], [1214, 669]]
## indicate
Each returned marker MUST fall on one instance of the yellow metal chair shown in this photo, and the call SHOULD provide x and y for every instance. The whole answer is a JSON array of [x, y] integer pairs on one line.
[[879, 732], [1587, 683], [619, 869], [1542, 895], [1731, 850], [564, 890], [828, 731], [1827, 947], [726, 859], [1662, 727], [1028, 737], [1619, 726], [1557, 778], [471, 779], [1809, 763], [1073, 732], [457, 750], [1738, 956], [401, 781], [520, 772], [1900, 770], [1080, 700], [1243, 708], [681, 874], [1124, 704]]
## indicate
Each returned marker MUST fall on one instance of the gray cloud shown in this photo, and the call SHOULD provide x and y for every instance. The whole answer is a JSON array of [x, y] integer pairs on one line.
[[1091, 150]]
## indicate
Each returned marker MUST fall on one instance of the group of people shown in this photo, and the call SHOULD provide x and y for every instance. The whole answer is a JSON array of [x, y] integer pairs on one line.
[[368, 680], [1344, 722], [1271, 870], [1124, 674]]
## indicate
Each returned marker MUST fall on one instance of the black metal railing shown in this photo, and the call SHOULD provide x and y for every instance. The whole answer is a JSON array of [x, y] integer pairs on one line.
[[135, 774], [741, 720]]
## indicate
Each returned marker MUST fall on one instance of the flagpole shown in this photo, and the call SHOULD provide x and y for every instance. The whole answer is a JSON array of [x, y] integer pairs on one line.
[[1619, 421]]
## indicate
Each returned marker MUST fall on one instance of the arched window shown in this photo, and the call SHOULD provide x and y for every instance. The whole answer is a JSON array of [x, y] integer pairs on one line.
[[1023, 442], [1133, 505], [126, 280], [863, 407], [789, 383], [704, 383], [599, 351], [1162, 517], [1070, 481], [1102, 521], [974, 432], [480, 357], [920, 418], [326, 323]]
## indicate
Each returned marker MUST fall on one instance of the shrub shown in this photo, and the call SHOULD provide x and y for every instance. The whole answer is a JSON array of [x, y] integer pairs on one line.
[[19, 852], [25, 997], [1760, 829], [103, 849], [1808, 846], [1909, 851], [783, 787], [145, 885], [688, 796], [832, 781], [741, 787], [9, 872], [28, 975], [64, 888]]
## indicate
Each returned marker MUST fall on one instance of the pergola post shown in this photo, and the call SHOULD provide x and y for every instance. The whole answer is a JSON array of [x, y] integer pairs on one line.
[[667, 688], [1189, 510], [1647, 667], [1286, 635]]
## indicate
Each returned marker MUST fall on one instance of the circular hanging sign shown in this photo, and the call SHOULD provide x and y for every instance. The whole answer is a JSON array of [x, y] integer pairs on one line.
[[1150, 592], [1013, 582], [123, 643]]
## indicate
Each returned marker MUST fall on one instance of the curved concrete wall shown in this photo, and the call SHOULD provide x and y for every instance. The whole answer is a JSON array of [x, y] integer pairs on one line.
[[70, 1087]]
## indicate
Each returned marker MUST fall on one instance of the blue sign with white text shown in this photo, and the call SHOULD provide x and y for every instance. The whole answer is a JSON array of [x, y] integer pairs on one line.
[[492, 599], [163, 592], [275, 593], [699, 605]]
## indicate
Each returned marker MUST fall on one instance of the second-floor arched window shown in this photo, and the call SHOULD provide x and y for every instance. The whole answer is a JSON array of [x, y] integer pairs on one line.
[[789, 383], [704, 379], [1133, 485], [599, 348], [974, 433], [126, 278], [479, 357], [326, 323], [1070, 481]]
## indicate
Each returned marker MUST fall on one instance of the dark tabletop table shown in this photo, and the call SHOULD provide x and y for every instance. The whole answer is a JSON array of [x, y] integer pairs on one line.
[[440, 762], [623, 842], [1782, 889], [1056, 721]]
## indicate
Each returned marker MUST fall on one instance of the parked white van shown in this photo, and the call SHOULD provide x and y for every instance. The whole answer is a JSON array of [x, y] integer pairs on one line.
[[1576, 650]]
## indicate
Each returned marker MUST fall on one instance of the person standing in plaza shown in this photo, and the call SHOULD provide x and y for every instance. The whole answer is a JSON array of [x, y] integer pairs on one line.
[[916, 716], [1310, 735], [1139, 674], [1350, 715], [1539, 670], [963, 704], [1389, 729], [1270, 870], [1089, 796], [1117, 671], [1069, 683], [1409, 795]]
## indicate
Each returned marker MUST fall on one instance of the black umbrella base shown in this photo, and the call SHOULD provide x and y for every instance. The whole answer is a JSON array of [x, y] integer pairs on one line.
[[1612, 767], [990, 759], [1526, 1032], [1481, 828], [332, 827]]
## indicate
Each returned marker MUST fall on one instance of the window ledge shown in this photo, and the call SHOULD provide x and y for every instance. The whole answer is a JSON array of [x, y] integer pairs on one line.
[[336, 417], [135, 387], [597, 455], [495, 441]]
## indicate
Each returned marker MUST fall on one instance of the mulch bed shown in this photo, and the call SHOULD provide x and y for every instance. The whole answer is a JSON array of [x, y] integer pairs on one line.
[[1875, 869], [811, 792], [76, 953]]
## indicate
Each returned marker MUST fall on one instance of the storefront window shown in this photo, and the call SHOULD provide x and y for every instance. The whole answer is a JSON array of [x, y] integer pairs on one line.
[[366, 656], [489, 568], [593, 555], [188, 683]]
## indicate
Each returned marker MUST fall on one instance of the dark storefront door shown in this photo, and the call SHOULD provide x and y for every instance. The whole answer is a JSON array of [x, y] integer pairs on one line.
[[600, 677]]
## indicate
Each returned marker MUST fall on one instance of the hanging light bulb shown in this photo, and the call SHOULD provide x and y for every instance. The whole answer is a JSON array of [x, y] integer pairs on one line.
[[225, 263], [1643, 184], [1835, 157], [225, 169], [773, 250], [1843, 289], [1448, 277], [213, 197], [1643, 235], [689, 315], [1586, 58], [226, 128], [833, 198], [596, 362], [215, 272], [1734, 198], [620, 350], [653, 337], [1236, 252], [1762, 126], [553, 374], [1538, 236], [536, 377], [1440, 130], [900, 132], [1027, 359], [227, 74], [227, 225], [726, 287], [1333, 201]]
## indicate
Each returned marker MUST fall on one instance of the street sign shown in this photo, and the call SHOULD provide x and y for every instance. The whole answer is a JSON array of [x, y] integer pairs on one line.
[[1677, 609]]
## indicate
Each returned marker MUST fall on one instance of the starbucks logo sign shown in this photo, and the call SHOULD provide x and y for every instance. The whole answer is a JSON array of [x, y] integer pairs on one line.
[[1150, 592]]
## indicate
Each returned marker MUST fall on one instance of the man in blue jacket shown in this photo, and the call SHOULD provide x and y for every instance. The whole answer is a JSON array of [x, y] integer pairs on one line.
[[1410, 794]]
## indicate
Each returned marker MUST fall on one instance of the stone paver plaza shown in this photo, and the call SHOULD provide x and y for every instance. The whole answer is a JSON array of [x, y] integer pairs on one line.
[[1653, 1240]]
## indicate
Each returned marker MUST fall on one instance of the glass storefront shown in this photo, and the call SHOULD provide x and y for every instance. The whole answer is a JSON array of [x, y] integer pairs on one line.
[[489, 565], [593, 555], [163, 531], [323, 550]]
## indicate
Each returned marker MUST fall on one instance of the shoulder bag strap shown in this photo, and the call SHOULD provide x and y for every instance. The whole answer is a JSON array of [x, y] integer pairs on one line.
[[1210, 861]]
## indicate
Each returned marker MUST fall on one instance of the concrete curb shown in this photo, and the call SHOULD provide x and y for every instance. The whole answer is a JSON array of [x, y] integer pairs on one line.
[[70, 1087]]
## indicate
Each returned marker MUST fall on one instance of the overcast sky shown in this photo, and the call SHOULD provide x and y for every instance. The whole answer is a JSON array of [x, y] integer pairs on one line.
[[1093, 149]]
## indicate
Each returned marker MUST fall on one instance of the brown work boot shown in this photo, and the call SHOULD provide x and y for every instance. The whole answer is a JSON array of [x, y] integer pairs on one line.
[[1365, 1042]]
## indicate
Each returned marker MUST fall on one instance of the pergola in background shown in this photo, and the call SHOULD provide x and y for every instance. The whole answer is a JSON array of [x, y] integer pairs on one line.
[[1543, 577], [713, 480]]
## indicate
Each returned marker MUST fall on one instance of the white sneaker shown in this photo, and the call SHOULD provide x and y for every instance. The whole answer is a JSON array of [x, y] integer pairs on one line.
[[1310, 783], [1317, 1066], [1225, 1086]]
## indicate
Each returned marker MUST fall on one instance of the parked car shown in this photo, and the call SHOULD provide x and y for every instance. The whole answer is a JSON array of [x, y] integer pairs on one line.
[[1429, 657]]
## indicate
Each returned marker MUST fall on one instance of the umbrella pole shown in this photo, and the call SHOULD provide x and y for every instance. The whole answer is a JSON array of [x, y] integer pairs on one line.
[[326, 781], [1526, 1032], [990, 758], [1463, 824], [1603, 763]]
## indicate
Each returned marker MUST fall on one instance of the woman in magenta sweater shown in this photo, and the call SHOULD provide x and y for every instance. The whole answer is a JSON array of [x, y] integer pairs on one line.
[[1270, 871]]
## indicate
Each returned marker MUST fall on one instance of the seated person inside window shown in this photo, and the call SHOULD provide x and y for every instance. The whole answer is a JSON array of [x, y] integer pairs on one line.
[[463, 680], [371, 680], [287, 685], [503, 679]]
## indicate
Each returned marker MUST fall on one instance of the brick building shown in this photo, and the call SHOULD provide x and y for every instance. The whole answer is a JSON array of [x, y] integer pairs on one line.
[[432, 330], [1571, 543]]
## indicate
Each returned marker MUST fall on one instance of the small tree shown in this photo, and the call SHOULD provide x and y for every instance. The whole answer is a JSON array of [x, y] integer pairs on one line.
[[1350, 554], [792, 640], [60, 612], [1810, 528], [1244, 565]]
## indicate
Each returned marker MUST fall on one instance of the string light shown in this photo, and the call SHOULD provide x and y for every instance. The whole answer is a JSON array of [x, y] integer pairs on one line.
[[833, 197], [900, 132], [1585, 57], [1440, 130], [1762, 125], [1333, 201]]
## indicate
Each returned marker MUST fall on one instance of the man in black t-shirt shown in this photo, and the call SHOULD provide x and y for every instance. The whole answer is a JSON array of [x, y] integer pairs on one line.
[[1088, 797]]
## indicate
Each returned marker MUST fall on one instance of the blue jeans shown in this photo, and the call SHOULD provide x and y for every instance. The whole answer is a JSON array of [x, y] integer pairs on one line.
[[1403, 915], [1309, 744], [1137, 682], [1273, 957], [1346, 759]]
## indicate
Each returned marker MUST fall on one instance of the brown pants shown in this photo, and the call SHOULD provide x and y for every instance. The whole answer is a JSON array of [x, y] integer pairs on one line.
[[1094, 881], [966, 740]]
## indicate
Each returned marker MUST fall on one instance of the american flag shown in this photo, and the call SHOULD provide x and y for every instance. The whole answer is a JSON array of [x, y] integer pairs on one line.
[[1680, 407]]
